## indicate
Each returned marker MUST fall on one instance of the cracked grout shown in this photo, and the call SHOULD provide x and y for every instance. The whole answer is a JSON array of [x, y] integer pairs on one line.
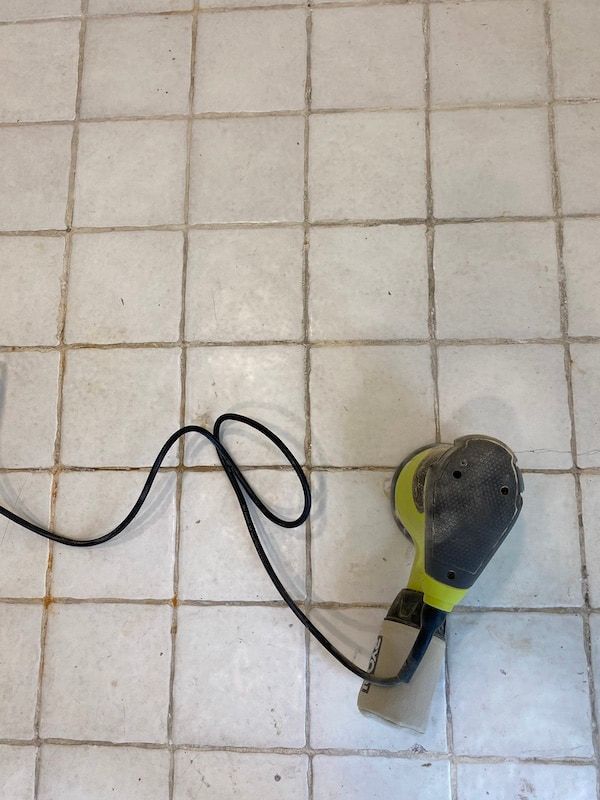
[[61, 323]]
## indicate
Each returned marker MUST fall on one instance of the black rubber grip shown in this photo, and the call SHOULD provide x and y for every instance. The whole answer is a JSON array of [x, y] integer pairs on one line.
[[472, 498]]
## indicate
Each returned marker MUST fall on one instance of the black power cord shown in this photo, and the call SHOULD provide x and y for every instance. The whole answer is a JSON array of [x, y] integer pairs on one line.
[[242, 489]]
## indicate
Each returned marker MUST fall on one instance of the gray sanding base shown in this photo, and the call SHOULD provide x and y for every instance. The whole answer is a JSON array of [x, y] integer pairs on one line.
[[408, 704]]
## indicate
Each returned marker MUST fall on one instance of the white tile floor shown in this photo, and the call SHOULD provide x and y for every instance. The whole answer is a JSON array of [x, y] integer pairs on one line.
[[369, 225]]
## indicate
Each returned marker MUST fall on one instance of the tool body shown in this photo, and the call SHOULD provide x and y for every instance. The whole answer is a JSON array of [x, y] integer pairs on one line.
[[457, 503]]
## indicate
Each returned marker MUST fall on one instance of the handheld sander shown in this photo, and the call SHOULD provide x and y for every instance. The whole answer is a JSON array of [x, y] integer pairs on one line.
[[456, 502]]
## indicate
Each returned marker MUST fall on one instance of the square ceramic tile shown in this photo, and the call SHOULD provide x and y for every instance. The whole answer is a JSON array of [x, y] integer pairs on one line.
[[108, 419], [491, 162], [130, 173], [518, 685], [106, 672], [367, 57], [499, 390], [139, 562], [251, 61], [266, 775], [370, 405], [265, 383], [269, 776], [335, 721], [578, 145], [19, 665], [38, 9], [17, 771], [575, 28], [39, 66], [28, 396], [581, 248], [236, 177], [367, 166], [595, 637], [586, 385], [347, 565], [265, 265], [546, 534], [358, 777], [213, 534], [368, 283], [241, 640], [125, 6], [137, 66], [501, 781], [590, 489], [486, 276], [488, 52], [34, 176], [125, 287], [24, 555], [31, 269], [245, 3], [96, 773]]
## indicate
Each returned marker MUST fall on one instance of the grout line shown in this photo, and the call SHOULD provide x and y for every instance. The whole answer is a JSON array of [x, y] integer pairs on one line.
[[62, 315], [182, 410], [564, 324], [315, 223], [299, 112], [307, 401]]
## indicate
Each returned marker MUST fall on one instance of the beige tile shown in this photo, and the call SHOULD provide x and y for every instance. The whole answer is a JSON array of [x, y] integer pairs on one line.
[[97, 772], [251, 61], [119, 405], [106, 672], [213, 534], [546, 534], [335, 721], [237, 178], [368, 283], [578, 145], [581, 257], [125, 6], [242, 640], [490, 162], [139, 563], [367, 57], [246, 3], [265, 266], [39, 9], [590, 489], [367, 166], [125, 287], [29, 384], [34, 176], [20, 648], [575, 28], [528, 695], [136, 66], [269, 776], [379, 778], [39, 66], [17, 771], [487, 52], [550, 781], [586, 386], [130, 173], [348, 565], [500, 390], [370, 405], [265, 383], [30, 287], [24, 555], [486, 276]]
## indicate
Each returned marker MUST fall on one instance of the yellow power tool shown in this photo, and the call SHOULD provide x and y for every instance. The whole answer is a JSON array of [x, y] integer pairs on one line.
[[457, 503]]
